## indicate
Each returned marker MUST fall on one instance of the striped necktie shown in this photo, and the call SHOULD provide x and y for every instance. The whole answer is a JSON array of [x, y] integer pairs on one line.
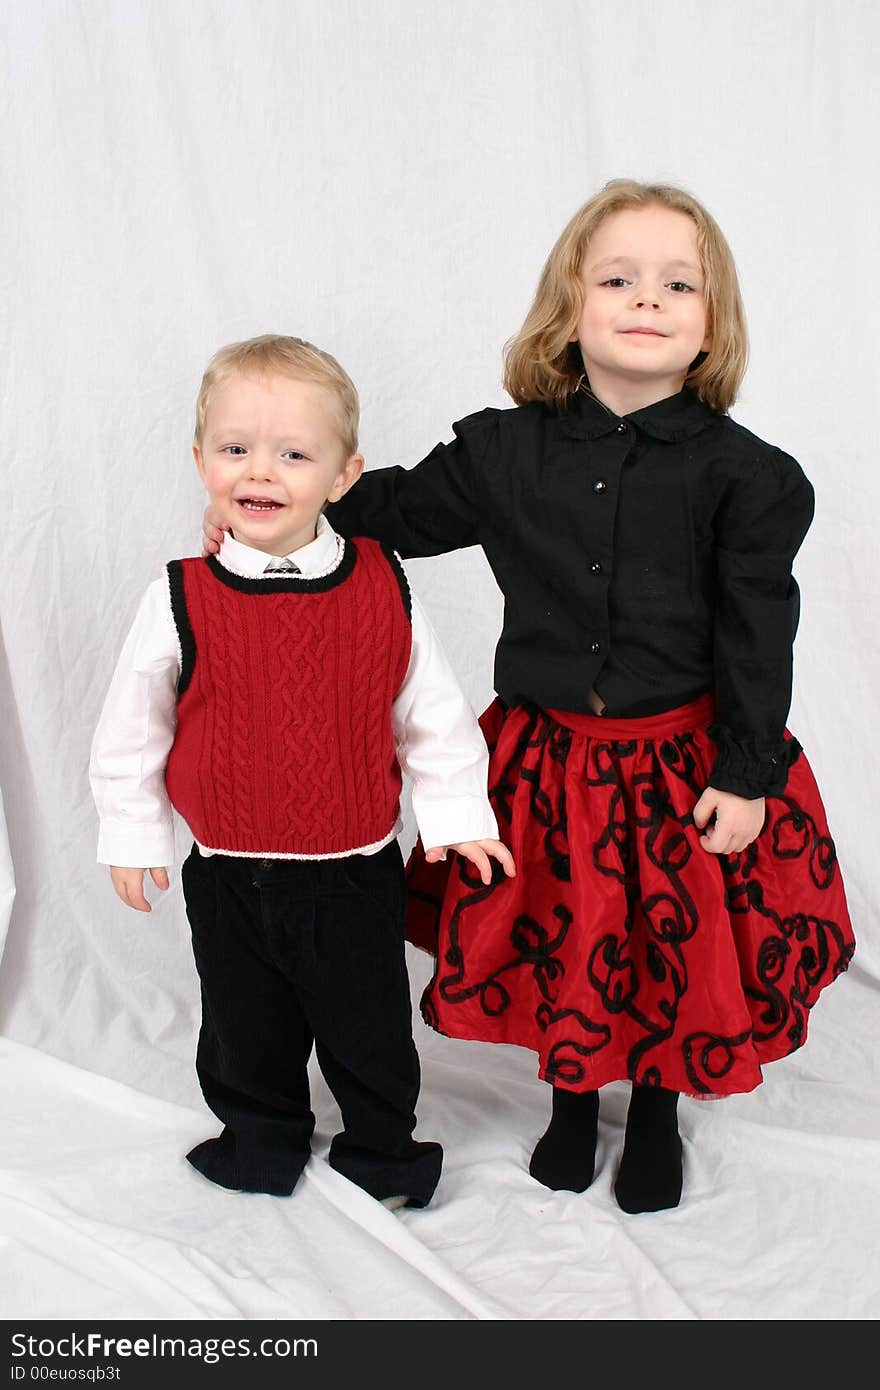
[[284, 566]]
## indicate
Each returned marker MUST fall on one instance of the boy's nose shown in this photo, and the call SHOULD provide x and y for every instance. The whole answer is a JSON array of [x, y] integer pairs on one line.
[[261, 466]]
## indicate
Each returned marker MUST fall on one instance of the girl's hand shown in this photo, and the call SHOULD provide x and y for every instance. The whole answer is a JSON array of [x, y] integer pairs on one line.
[[212, 532], [129, 885], [738, 821], [478, 852]]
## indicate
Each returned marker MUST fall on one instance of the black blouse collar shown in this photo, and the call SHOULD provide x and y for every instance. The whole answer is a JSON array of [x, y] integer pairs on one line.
[[678, 417]]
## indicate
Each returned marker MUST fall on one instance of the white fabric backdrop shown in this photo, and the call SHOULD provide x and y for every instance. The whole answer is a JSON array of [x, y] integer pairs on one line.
[[386, 180]]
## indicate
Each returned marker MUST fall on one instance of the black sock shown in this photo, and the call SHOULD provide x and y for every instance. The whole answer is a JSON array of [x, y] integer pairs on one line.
[[649, 1177], [565, 1157]]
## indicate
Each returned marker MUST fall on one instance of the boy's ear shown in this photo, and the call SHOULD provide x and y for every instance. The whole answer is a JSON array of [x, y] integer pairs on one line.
[[197, 455], [346, 478]]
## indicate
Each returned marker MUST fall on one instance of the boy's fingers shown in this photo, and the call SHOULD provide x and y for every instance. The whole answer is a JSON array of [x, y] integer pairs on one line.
[[131, 892], [505, 858], [135, 898], [479, 857]]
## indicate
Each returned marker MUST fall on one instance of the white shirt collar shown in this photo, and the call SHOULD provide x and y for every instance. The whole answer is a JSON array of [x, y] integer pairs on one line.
[[318, 557]]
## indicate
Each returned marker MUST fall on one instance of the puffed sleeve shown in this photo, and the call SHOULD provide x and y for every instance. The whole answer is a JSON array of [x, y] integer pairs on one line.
[[759, 530], [428, 509]]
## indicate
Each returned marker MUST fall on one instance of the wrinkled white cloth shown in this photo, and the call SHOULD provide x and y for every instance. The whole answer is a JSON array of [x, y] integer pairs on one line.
[[101, 1215], [7, 879], [387, 181]]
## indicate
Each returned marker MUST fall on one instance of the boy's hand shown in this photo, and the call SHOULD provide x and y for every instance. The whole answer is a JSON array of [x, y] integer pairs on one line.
[[212, 532], [738, 821], [129, 885], [478, 852]]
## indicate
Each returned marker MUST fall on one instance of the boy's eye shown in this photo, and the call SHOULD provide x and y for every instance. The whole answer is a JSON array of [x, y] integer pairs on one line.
[[292, 454], [236, 450]]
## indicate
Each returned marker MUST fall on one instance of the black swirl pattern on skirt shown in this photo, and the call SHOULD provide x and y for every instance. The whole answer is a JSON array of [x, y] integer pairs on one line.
[[622, 950]]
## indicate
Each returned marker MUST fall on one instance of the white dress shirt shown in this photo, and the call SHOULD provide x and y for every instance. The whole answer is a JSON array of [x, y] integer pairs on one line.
[[438, 740]]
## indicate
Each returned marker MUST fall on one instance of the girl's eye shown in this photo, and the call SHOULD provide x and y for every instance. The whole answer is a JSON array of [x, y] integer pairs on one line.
[[292, 454], [615, 282], [681, 287]]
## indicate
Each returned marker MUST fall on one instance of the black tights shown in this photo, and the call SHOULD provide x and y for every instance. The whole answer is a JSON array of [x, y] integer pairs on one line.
[[649, 1177]]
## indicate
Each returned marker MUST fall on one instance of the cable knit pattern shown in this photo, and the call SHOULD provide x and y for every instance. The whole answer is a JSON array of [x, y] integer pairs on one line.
[[221, 726], [284, 741]]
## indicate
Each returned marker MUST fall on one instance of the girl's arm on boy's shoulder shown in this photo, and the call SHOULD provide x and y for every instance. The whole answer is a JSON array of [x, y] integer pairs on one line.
[[758, 532], [426, 510], [134, 735], [429, 509]]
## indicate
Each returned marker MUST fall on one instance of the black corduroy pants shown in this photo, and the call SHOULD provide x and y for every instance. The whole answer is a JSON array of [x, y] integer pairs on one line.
[[291, 954]]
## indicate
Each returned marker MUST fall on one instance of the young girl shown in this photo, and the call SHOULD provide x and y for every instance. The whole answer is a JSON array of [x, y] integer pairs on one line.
[[678, 907]]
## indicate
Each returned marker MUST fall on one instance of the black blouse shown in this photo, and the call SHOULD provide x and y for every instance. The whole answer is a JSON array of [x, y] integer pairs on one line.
[[648, 556]]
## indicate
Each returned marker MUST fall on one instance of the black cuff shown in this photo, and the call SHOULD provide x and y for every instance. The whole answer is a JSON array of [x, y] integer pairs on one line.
[[751, 767]]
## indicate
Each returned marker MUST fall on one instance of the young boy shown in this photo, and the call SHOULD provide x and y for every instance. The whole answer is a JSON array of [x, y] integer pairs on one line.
[[271, 694]]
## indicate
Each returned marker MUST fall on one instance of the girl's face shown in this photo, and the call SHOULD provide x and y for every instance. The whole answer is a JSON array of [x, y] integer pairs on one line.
[[644, 314]]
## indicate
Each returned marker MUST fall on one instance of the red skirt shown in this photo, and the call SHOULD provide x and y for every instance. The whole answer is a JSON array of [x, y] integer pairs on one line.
[[622, 950]]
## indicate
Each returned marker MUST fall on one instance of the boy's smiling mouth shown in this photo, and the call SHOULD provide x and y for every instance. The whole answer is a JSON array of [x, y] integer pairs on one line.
[[258, 504]]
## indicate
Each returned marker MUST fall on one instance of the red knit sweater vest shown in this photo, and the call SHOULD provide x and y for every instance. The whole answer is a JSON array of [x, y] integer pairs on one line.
[[284, 743]]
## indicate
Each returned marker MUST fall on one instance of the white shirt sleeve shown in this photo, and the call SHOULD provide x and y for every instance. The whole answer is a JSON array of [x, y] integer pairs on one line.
[[440, 746], [133, 739]]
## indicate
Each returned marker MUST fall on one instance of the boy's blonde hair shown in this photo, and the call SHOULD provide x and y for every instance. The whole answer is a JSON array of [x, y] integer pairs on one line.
[[541, 364], [275, 355]]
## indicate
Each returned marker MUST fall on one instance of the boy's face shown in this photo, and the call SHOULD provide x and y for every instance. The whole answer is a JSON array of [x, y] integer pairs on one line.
[[644, 313], [271, 456]]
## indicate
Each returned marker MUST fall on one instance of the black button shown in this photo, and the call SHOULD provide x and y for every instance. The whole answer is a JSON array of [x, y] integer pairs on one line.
[[595, 567], [594, 647], [621, 428], [599, 485]]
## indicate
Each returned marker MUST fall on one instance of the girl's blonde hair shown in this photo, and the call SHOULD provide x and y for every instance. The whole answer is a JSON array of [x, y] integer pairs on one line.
[[275, 355], [542, 364]]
